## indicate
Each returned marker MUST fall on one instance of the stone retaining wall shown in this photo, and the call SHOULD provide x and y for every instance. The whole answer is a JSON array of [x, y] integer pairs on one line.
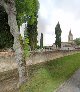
[[7, 60], [37, 57]]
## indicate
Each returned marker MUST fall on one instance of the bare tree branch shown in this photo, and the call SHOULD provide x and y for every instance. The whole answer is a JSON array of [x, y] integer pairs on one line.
[[4, 4]]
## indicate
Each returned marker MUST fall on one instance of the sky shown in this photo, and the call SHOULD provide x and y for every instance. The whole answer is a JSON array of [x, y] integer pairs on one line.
[[67, 12]]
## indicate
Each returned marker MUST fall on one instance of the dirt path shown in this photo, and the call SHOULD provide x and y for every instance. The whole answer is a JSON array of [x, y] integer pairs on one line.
[[9, 85]]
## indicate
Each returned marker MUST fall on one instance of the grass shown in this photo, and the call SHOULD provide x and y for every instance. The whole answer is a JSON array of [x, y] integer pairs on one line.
[[46, 77]]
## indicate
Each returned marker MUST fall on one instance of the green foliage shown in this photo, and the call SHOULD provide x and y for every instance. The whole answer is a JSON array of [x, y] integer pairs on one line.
[[21, 40], [32, 35], [77, 41], [26, 47], [31, 30], [25, 9], [58, 35], [48, 76]]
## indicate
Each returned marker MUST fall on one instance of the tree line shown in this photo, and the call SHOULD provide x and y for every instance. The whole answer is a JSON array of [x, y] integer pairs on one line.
[[27, 11]]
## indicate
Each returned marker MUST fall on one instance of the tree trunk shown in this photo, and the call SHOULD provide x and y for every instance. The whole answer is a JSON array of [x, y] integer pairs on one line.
[[18, 46]]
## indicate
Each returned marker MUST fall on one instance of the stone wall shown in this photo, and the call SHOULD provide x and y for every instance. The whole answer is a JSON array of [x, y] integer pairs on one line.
[[7, 60], [37, 57]]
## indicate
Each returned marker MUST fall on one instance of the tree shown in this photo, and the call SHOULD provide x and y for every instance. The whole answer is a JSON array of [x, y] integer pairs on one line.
[[32, 26], [58, 35], [41, 41], [77, 41], [18, 12], [10, 8], [6, 39], [25, 11], [32, 35]]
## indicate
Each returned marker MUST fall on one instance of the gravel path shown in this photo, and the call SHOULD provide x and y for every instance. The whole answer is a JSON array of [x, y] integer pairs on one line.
[[71, 85]]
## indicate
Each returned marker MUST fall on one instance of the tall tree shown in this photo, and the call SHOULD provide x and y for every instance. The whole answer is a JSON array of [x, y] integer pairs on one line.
[[32, 26], [58, 35], [41, 41], [10, 8], [32, 34]]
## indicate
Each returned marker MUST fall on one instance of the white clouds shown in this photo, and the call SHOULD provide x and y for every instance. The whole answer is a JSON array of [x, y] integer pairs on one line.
[[41, 26], [67, 12], [43, 12], [48, 39], [69, 6]]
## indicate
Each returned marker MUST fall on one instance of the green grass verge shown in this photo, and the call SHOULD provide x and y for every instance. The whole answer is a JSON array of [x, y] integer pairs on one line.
[[46, 77]]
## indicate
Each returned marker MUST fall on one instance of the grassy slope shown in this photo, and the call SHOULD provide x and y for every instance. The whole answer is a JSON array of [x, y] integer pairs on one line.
[[46, 77]]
